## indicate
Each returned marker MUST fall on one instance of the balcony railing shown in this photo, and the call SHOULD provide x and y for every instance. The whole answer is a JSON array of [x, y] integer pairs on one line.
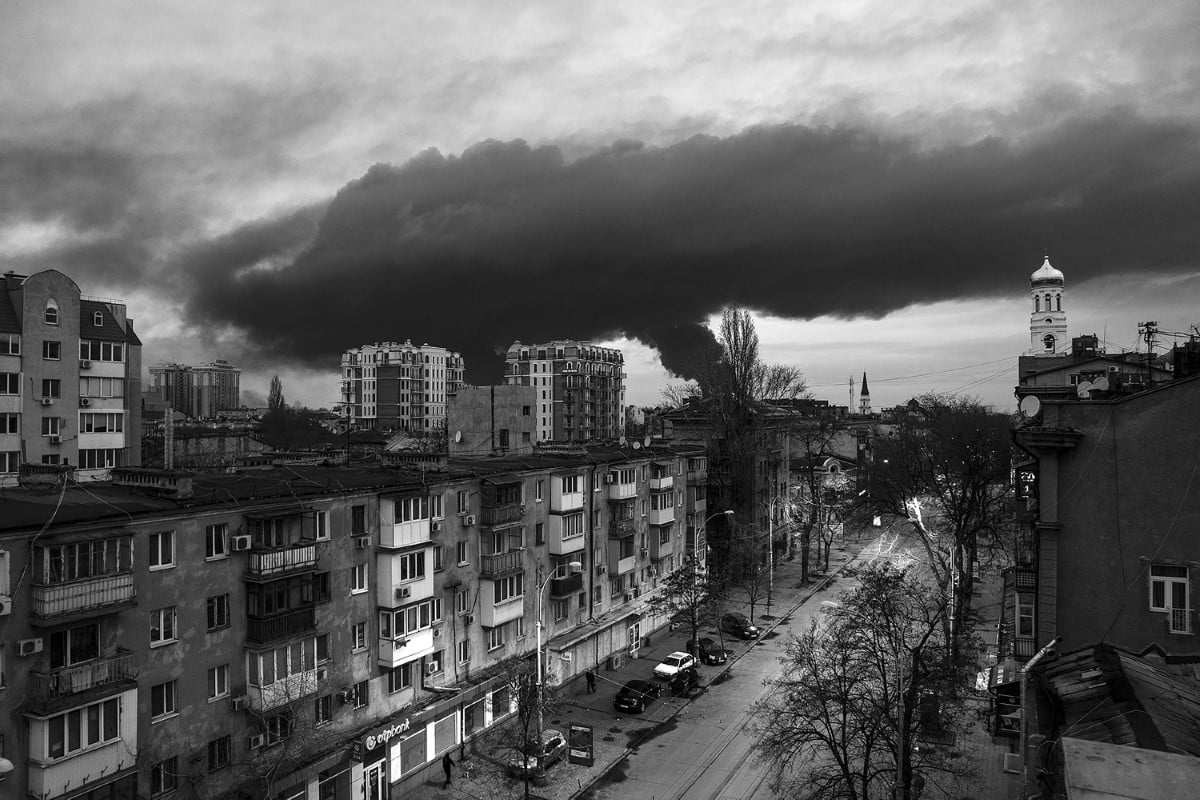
[[563, 587], [503, 515], [620, 528], [89, 594], [293, 558], [1180, 620], [501, 563], [661, 483], [261, 630], [67, 681]]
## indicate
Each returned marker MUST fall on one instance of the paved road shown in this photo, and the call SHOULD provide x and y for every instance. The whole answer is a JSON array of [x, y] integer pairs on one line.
[[705, 753]]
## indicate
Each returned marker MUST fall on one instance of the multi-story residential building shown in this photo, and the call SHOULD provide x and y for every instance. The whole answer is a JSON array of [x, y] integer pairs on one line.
[[70, 372], [580, 389], [393, 386], [349, 625], [201, 392]]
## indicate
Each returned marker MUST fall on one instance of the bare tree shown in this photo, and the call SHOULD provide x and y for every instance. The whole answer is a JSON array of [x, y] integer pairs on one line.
[[691, 596], [749, 564], [813, 440], [520, 737]]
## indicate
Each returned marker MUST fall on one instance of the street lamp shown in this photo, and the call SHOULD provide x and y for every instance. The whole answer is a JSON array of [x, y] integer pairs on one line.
[[710, 518], [573, 568]]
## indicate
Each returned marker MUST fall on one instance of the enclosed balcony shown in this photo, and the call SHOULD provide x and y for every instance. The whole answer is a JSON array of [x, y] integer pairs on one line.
[[497, 564], [501, 516], [620, 566], [286, 690], [404, 522], [661, 477], [60, 602], [403, 577], [402, 649], [263, 630], [660, 549], [566, 493], [107, 675], [493, 612], [565, 533], [268, 564], [663, 516], [621, 489]]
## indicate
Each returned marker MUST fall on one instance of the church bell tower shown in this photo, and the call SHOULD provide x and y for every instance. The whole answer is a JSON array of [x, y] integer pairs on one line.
[[1047, 320]]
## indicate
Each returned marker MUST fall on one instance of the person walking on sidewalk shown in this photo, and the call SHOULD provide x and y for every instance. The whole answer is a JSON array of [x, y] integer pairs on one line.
[[447, 764], [590, 677]]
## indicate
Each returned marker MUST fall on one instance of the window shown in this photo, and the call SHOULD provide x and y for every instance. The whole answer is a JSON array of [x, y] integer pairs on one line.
[[164, 776], [359, 631], [495, 637], [664, 534], [218, 682], [463, 504], [509, 588], [51, 351], [525, 411], [73, 646], [362, 694], [1024, 615], [93, 422], [439, 558], [358, 579], [162, 626], [460, 601], [101, 387], [400, 678], [98, 319], [162, 550], [83, 727], [1048, 343], [50, 315], [1168, 587], [463, 651], [411, 509], [10, 423], [51, 387], [10, 383], [321, 593], [436, 506], [50, 426], [358, 520], [570, 484], [162, 701], [461, 549], [323, 710], [294, 658], [10, 344], [572, 525], [100, 458], [321, 525], [561, 609], [539, 490], [93, 350], [218, 612], [219, 753], [276, 730], [539, 533], [412, 566], [10, 460], [71, 562], [216, 541]]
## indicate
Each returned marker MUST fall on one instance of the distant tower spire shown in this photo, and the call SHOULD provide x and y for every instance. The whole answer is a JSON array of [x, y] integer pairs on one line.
[[1047, 319], [864, 398]]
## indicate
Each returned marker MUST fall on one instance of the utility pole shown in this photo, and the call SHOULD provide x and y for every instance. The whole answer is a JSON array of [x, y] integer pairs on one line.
[[1148, 330]]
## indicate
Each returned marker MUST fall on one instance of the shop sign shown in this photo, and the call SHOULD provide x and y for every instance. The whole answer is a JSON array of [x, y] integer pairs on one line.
[[579, 745], [382, 737]]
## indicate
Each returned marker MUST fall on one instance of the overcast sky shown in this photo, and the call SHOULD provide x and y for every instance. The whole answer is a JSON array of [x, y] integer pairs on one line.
[[274, 182]]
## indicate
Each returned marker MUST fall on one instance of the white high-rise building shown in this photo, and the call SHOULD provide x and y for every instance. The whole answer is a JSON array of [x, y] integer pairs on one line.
[[393, 386], [580, 388]]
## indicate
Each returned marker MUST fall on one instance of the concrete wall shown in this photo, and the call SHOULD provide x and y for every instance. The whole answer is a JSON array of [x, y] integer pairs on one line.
[[480, 413]]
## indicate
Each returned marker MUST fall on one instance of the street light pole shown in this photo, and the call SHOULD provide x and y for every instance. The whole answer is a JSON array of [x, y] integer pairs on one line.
[[573, 568]]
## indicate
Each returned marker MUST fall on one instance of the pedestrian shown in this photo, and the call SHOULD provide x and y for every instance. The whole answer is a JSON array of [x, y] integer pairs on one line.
[[447, 763], [591, 681]]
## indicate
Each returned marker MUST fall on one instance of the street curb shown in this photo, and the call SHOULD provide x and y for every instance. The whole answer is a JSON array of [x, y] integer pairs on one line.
[[719, 676]]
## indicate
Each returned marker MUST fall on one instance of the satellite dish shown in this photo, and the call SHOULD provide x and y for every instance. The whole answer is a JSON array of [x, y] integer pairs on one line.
[[1030, 406], [1084, 389], [1100, 385], [637, 445], [458, 436]]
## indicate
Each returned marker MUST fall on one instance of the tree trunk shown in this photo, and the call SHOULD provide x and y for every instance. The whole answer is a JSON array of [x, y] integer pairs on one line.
[[805, 544]]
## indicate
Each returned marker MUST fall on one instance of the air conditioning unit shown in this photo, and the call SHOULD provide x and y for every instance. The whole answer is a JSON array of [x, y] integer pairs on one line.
[[27, 647], [256, 741], [469, 519], [436, 527], [84, 402], [322, 673], [469, 618], [645, 552], [601, 569], [437, 633], [47, 401], [85, 363], [1113, 368], [239, 703], [362, 542], [54, 438], [432, 668], [5, 605], [346, 696], [403, 592], [242, 542]]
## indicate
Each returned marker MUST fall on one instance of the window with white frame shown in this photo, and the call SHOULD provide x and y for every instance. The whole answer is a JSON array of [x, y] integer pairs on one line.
[[1170, 593], [359, 632], [95, 350], [463, 651], [323, 710], [400, 678], [51, 426], [463, 502], [508, 588], [1024, 615], [164, 776], [321, 525], [560, 608], [411, 509], [10, 383], [101, 387], [410, 619], [573, 525], [101, 422], [100, 457], [162, 626], [51, 351], [10, 344], [70, 732], [220, 753], [216, 541], [571, 484], [162, 701], [539, 491], [218, 681], [412, 566], [358, 579], [72, 646], [362, 694], [460, 601], [217, 611], [161, 553], [461, 554], [266, 667], [437, 508]]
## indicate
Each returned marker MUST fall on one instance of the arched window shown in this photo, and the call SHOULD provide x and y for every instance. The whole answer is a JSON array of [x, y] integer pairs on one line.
[[1048, 343], [1047, 302], [98, 319], [1058, 302], [51, 313], [1037, 304]]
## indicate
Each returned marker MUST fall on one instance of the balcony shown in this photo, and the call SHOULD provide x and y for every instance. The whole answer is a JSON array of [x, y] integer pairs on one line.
[[697, 475], [77, 599], [564, 587], [394, 584], [497, 564], [699, 506], [107, 672], [262, 630], [662, 516], [662, 483], [271, 564], [492, 613], [620, 528], [660, 549], [499, 516], [405, 534], [561, 543], [564, 501], [285, 690], [622, 491], [402, 649]]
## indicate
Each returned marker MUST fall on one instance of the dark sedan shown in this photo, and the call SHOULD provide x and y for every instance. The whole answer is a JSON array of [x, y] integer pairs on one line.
[[739, 626], [636, 695], [710, 653]]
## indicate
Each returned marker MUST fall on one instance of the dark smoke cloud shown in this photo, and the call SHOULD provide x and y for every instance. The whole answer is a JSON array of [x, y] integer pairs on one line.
[[512, 242]]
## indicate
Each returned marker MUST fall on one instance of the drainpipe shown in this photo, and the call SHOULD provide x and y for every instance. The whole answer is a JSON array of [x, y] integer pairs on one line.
[[1025, 759]]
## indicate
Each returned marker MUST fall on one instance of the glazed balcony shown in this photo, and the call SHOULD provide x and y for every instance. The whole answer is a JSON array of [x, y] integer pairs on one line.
[[662, 483], [402, 649], [622, 491], [61, 601], [406, 534], [660, 549], [281, 561], [498, 564], [263, 630], [662, 516], [620, 566], [115, 672], [559, 541]]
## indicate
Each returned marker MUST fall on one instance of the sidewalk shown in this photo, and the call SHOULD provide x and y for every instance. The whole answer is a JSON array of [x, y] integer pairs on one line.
[[615, 735]]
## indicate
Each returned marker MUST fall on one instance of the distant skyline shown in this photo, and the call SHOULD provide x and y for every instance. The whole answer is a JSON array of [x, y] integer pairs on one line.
[[277, 182]]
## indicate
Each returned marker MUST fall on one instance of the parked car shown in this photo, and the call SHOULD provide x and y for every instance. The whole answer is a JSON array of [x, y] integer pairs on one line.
[[539, 756], [709, 651], [739, 626], [685, 681], [673, 663], [636, 695]]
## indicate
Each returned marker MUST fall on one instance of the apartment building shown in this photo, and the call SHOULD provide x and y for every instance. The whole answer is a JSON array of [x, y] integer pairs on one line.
[[580, 389], [70, 371], [314, 632], [393, 386], [201, 392]]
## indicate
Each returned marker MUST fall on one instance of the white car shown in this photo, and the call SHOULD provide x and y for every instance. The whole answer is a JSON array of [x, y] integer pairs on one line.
[[672, 664]]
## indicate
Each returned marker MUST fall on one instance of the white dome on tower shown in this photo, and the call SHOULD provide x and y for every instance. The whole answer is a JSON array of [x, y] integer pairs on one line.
[[1046, 275]]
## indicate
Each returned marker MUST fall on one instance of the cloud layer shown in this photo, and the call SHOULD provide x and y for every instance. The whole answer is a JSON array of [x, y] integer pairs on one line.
[[508, 241]]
